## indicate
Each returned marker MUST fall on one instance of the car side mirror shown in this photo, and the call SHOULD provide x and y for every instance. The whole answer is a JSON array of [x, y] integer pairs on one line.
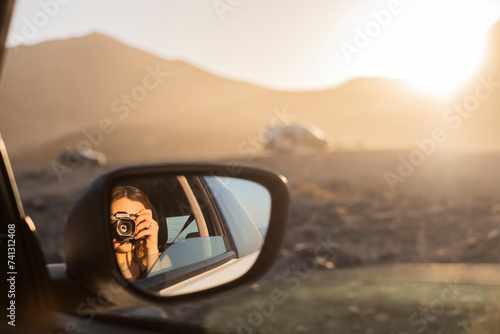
[[175, 232]]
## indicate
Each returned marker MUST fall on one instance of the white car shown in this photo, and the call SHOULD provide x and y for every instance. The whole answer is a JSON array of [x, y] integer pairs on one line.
[[296, 138]]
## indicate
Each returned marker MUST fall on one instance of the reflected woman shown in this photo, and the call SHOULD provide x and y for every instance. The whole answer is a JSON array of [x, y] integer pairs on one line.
[[135, 259]]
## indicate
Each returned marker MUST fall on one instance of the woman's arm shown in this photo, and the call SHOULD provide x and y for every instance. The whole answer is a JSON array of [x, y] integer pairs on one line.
[[121, 259], [149, 228]]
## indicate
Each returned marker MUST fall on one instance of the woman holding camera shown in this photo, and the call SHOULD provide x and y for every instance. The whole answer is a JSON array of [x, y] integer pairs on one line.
[[136, 257]]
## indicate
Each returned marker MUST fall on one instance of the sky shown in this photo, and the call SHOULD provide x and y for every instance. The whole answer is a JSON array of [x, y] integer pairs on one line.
[[434, 45]]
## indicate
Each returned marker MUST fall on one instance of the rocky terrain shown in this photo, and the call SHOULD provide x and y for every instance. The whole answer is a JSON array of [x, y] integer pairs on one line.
[[448, 210]]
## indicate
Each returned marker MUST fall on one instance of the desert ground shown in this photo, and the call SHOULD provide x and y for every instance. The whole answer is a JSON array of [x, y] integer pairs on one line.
[[446, 211]]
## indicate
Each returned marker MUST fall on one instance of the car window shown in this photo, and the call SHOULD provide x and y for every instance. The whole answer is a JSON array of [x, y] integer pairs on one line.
[[247, 238], [190, 251], [178, 230]]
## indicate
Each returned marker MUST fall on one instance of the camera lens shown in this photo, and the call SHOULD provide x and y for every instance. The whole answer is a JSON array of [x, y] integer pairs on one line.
[[126, 227], [123, 226]]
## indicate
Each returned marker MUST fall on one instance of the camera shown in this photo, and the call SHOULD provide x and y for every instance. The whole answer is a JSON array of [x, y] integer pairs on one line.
[[123, 226]]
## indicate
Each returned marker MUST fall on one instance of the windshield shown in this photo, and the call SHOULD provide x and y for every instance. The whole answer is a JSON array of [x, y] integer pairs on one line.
[[407, 94]]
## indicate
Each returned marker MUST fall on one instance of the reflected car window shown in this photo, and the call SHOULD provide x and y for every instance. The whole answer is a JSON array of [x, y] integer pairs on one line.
[[175, 225], [244, 232], [190, 251]]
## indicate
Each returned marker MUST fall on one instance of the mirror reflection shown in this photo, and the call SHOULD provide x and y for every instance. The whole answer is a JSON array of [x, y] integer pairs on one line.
[[178, 234]]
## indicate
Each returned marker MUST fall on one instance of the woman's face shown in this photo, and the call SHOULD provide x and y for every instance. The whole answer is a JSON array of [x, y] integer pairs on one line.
[[130, 207]]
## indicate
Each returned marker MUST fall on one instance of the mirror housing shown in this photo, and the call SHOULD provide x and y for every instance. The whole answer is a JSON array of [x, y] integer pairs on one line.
[[90, 257]]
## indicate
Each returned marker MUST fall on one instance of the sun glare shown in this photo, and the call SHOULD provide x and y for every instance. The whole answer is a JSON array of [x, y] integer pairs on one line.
[[448, 69], [435, 47], [449, 47]]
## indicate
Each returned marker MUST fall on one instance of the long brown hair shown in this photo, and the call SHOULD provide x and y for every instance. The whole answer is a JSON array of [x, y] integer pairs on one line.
[[133, 194]]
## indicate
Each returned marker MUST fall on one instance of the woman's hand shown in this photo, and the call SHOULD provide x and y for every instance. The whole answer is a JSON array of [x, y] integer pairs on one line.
[[148, 227]]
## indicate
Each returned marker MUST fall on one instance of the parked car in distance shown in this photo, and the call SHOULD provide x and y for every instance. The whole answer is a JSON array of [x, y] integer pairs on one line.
[[296, 138], [76, 158]]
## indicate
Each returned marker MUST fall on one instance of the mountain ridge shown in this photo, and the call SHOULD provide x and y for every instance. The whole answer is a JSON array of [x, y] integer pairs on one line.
[[89, 80]]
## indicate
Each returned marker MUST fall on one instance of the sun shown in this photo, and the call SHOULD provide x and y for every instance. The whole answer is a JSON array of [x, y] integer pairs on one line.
[[446, 68], [436, 47], [449, 46]]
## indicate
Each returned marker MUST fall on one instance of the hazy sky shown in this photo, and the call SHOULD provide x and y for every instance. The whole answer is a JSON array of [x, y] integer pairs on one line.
[[284, 44]]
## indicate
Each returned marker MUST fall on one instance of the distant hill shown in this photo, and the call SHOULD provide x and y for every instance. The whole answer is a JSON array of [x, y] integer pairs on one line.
[[53, 90], [155, 109]]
